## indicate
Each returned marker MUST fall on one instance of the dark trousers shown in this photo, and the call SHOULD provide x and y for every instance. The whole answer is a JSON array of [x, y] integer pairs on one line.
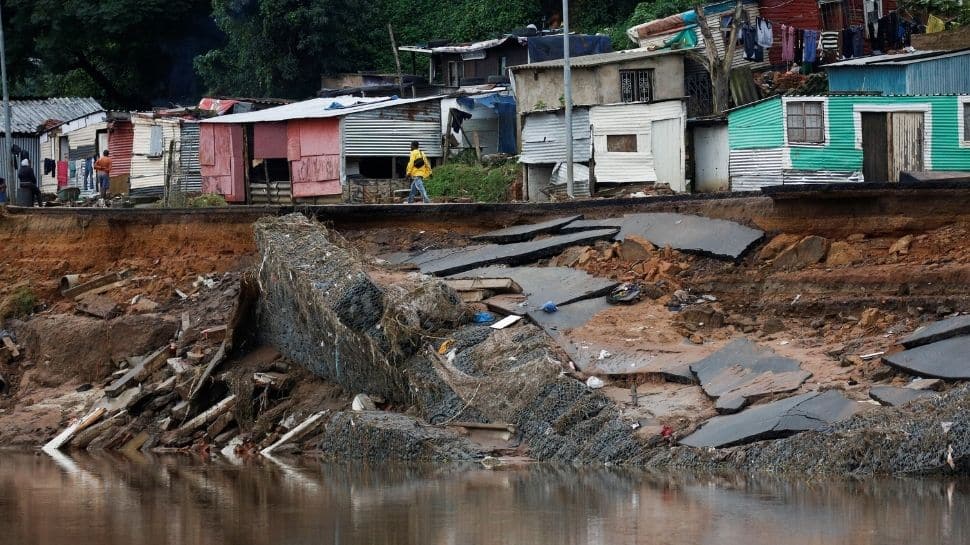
[[28, 195]]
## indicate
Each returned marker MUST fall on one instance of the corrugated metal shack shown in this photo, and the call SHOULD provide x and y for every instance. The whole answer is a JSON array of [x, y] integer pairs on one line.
[[917, 73], [30, 119], [155, 154], [310, 151], [78, 142], [840, 138]]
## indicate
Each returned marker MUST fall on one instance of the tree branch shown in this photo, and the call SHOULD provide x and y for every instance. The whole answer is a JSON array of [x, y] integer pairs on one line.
[[733, 37], [710, 51], [105, 82]]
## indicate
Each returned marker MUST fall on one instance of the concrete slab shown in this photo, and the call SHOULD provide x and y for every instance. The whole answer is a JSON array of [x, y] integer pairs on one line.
[[742, 369], [590, 225], [687, 233], [946, 359], [810, 411], [561, 285], [519, 253], [625, 361], [894, 397], [568, 316], [938, 331], [519, 233]]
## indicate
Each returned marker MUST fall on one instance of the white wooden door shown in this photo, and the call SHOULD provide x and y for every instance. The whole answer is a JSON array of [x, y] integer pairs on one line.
[[668, 157]]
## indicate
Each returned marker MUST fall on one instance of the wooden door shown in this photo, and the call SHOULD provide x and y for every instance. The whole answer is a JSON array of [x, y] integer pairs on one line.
[[875, 147], [907, 143]]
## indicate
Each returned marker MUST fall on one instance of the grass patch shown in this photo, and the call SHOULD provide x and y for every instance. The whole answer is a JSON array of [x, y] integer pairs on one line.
[[480, 183], [18, 303]]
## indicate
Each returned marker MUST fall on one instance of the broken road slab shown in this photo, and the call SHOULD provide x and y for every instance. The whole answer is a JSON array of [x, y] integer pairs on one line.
[[519, 253], [945, 359], [894, 397], [719, 238], [561, 285], [938, 331], [742, 369], [519, 233], [591, 225], [568, 316], [810, 411]]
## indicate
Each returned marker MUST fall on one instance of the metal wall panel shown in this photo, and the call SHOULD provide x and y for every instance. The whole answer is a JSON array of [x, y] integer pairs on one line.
[[543, 139], [392, 138], [190, 172], [752, 169], [939, 76], [148, 173], [121, 137], [711, 159], [637, 119]]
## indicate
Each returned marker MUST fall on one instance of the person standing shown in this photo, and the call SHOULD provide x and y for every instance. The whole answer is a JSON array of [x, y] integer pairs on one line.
[[103, 167], [419, 169], [29, 190]]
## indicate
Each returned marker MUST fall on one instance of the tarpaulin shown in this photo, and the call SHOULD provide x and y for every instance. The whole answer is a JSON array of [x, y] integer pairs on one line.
[[674, 23], [504, 107], [220, 106], [549, 48]]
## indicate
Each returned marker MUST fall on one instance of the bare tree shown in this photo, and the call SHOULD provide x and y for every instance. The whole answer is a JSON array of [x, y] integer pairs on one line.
[[718, 68]]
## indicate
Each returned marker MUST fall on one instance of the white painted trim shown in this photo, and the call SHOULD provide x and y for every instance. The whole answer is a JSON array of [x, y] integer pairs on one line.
[[920, 107], [962, 102], [784, 123]]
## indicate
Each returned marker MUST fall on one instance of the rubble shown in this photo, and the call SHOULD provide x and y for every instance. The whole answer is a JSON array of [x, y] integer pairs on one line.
[[521, 233]]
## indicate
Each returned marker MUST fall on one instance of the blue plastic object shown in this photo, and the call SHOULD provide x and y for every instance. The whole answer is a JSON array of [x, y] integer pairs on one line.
[[482, 317], [550, 307]]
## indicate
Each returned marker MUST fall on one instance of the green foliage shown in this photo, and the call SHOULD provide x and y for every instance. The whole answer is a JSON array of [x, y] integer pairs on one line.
[[481, 183], [206, 200], [20, 302], [956, 10]]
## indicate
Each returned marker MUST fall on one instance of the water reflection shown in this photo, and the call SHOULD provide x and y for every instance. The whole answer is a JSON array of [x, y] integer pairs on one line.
[[107, 500]]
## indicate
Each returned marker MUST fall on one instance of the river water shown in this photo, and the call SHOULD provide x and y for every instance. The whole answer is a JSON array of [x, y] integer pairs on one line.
[[109, 500]]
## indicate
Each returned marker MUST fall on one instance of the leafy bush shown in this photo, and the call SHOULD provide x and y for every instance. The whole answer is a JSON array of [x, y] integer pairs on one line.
[[483, 184], [20, 302]]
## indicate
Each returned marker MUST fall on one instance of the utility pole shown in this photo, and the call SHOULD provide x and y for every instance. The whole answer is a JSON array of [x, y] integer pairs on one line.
[[12, 187], [567, 77]]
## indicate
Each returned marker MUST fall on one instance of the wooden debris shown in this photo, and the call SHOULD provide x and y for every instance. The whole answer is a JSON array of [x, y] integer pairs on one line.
[[65, 436], [215, 333], [506, 304], [145, 368], [506, 322], [220, 424], [213, 363], [136, 442], [95, 283], [98, 306], [499, 285], [11, 347], [203, 418], [474, 296], [305, 427], [272, 380]]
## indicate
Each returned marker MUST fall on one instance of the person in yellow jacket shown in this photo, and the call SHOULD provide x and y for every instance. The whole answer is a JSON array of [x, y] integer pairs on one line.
[[419, 169]]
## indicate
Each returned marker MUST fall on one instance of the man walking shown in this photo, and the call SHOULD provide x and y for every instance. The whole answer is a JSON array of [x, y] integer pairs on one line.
[[419, 169], [103, 167]]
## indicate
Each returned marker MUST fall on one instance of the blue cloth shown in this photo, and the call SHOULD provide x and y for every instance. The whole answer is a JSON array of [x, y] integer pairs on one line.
[[550, 48], [811, 45], [752, 51], [417, 185], [88, 173]]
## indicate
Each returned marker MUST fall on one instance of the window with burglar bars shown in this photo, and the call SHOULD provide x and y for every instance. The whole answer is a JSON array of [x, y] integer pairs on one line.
[[636, 85], [806, 122]]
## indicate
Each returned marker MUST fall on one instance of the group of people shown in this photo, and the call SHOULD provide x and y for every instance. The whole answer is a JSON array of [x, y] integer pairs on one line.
[[30, 194]]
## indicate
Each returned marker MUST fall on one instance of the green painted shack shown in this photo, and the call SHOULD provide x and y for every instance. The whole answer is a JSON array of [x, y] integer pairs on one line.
[[846, 138]]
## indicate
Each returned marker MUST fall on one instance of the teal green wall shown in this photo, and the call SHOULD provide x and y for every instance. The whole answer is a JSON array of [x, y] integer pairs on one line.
[[757, 126], [747, 129]]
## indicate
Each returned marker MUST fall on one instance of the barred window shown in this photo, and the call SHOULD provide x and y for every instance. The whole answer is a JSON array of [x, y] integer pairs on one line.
[[806, 122], [636, 85]]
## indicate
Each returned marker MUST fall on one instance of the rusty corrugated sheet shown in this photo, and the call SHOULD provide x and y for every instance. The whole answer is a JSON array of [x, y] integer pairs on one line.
[[802, 14], [121, 137]]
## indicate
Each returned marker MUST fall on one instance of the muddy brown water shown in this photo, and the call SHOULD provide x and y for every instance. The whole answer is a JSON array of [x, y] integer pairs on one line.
[[113, 500]]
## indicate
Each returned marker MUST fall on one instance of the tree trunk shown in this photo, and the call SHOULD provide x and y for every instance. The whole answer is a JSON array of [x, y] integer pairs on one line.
[[719, 68]]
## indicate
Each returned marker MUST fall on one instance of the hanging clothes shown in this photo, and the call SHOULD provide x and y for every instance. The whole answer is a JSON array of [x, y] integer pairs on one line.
[[49, 167], [752, 51], [846, 49], [810, 38], [62, 174], [830, 40], [787, 43], [764, 34]]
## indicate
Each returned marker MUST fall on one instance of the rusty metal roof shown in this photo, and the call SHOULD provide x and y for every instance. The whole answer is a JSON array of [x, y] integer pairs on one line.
[[29, 116]]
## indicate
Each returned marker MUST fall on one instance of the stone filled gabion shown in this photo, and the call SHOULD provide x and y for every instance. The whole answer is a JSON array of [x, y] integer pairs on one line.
[[382, 436], [322, 310]]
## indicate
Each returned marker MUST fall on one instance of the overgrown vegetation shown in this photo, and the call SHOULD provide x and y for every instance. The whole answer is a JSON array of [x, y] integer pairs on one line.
[[206, 200], [464, 179], [20, 302]]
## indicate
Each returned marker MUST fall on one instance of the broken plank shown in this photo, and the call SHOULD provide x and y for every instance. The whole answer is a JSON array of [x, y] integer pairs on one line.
[[305, 427], [65, 436], [11, 346], [473, 296], [213, 363], [506, 322], [105, 289], [95, 283], [136, 442], [484, 426], [271, 379], [216, 333], [205, 417], [219, 425], [151, 363]]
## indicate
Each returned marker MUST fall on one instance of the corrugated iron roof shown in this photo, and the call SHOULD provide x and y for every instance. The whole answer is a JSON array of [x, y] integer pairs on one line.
[[899, 58], [318, 108], [602, 58], [28, 116]]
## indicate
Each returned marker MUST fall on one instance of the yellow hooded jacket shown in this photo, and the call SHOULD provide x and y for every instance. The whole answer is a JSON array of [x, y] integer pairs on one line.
[[424, 171]]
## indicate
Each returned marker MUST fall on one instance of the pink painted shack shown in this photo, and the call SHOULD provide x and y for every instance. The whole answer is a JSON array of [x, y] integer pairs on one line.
[[305, 152]]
